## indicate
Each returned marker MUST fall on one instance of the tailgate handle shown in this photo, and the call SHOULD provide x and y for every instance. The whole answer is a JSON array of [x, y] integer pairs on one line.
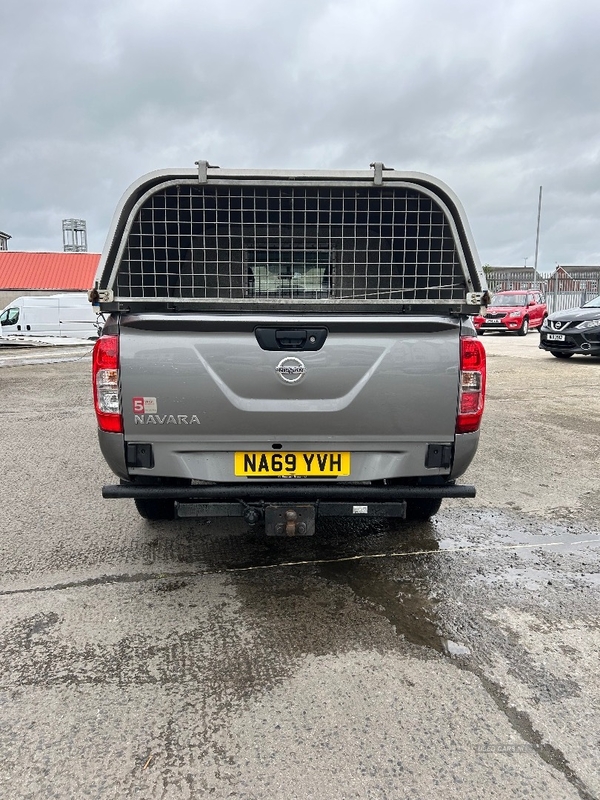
[[291, 340]]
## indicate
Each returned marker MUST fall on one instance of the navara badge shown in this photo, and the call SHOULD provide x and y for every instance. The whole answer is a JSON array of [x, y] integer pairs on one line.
[[290, 369]]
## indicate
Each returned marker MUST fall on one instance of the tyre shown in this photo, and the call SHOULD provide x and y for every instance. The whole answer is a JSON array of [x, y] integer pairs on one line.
[[524, 329], [422, 510], [558, 354], [156, 509]]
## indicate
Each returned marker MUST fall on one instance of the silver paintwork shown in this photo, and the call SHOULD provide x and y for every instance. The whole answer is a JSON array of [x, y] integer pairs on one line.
[[465, 446], [382, 395], [113, 449]]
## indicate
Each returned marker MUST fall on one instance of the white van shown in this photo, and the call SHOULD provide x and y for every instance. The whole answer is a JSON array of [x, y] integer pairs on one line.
[[70, 315]]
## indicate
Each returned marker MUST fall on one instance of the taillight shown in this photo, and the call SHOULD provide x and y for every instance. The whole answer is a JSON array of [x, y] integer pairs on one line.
[[472, 385], [105, 378]]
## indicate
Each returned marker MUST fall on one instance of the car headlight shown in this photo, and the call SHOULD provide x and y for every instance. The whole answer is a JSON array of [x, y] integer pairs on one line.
[[514, 314], [588, 323]]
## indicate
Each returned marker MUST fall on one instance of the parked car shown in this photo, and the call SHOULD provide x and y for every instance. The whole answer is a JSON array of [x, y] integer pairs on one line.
[[575, 330], [513, 311]]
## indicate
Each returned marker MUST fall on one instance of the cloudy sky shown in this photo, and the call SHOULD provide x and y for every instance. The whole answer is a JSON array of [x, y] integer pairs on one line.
[[495, 97]]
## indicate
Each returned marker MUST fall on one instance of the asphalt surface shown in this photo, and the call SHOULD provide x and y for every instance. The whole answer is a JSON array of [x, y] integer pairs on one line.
[[451, 659]]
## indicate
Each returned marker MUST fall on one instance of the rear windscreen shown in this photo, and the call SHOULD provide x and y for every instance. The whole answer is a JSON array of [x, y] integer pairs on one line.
[[288, 273]]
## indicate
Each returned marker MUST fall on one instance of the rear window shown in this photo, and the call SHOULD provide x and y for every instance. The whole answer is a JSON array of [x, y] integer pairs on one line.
[[288, 273]]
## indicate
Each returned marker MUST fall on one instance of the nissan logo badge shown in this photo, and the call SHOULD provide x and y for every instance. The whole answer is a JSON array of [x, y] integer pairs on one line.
[[290, 369]]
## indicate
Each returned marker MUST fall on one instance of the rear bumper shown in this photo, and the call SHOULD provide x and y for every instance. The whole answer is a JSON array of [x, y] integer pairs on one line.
[[406, 463], [287, 492]]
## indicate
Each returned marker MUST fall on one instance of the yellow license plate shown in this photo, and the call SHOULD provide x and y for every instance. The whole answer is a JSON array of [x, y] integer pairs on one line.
[[293, 465]]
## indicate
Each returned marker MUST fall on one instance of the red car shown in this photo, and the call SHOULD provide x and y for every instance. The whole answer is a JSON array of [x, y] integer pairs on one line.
[[515, 311]]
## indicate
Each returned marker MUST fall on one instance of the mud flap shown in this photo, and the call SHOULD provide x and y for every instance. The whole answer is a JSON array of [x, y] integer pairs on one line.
[[290, 520]]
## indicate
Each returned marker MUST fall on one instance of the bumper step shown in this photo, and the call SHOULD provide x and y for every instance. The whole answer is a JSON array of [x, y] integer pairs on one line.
[[286, 492]]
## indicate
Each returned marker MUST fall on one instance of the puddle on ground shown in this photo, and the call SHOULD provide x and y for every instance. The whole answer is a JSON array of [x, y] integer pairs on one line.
[[406, 573], [406, 604], [505, 528]]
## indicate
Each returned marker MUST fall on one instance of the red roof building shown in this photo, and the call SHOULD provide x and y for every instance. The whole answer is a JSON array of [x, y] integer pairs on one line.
[[55, 272]]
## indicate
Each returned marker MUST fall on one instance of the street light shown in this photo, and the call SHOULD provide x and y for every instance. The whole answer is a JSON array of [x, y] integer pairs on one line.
[[537, 240]]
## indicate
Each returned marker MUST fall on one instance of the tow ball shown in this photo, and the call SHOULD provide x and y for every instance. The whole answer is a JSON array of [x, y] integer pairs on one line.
[[290, 520]]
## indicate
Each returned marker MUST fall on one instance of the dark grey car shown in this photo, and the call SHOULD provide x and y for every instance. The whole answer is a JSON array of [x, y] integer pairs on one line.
[[575, 330]]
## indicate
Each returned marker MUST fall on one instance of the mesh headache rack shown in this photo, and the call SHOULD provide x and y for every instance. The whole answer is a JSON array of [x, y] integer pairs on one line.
[[225, 239]]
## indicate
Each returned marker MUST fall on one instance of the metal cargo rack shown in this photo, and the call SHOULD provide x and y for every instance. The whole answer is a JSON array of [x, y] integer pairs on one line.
[[328, 242]]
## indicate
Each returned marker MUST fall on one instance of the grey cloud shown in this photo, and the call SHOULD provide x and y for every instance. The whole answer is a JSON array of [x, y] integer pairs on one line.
[[496, 99]]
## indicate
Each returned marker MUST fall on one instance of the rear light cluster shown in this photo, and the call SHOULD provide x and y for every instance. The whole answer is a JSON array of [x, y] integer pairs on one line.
[[105, 378], [472, 385]]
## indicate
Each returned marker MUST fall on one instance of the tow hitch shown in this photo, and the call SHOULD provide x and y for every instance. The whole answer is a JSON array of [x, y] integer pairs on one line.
[[297, 511], [290, 520]]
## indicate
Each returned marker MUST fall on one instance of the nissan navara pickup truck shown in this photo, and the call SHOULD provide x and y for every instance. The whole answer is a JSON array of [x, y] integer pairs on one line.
[[287, 346]]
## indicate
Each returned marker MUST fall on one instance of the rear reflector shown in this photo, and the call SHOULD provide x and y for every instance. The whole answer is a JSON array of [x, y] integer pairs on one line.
[[105, 380], [472, 385]]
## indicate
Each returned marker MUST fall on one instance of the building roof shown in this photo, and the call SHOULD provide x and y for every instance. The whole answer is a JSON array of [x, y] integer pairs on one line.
[[573, 269], [517, 268], [47, 271]]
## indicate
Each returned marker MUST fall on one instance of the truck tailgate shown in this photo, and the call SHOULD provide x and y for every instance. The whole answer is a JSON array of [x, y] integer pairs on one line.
[[200, 388]]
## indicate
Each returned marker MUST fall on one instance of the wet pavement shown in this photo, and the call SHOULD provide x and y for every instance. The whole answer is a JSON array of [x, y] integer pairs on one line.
[[456, 658], [50, 350]]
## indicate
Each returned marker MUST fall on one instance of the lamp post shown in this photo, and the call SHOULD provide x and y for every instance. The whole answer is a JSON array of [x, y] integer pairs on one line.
[[537, 242], [524, 282]]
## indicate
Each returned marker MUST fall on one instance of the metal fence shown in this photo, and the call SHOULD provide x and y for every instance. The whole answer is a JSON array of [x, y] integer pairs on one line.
[[559, 300], [561, 290], [502, 280]]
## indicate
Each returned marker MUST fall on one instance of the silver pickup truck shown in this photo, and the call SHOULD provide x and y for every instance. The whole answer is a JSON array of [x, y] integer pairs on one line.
[[285, 346]]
